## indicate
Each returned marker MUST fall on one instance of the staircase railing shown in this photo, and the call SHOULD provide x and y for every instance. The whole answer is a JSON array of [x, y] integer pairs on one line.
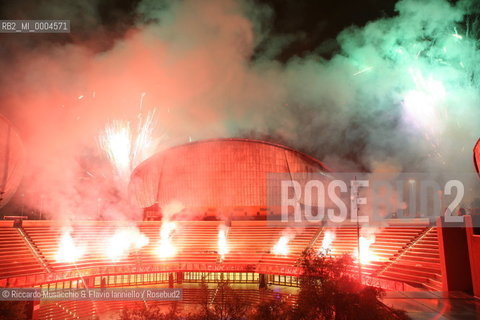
[[404, 251], [33, 248]]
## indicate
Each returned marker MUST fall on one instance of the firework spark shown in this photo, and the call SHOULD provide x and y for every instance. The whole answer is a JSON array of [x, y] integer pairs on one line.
[[422, 104], [362, 71], [144, 144], [126, 148], [116, 142]]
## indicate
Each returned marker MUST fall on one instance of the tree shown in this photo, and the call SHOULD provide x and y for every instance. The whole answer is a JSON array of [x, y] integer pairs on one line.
[[150, 312], [205, 312], [330, 290], [275, 308], [228, 304]]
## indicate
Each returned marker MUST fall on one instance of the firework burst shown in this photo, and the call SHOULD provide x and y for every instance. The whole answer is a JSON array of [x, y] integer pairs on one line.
[[124, 146]]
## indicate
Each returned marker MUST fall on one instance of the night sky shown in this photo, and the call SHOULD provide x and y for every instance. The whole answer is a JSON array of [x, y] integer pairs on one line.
[[308, 26]]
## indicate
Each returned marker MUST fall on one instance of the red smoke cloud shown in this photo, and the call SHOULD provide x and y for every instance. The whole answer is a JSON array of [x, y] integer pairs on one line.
[[192, 68]]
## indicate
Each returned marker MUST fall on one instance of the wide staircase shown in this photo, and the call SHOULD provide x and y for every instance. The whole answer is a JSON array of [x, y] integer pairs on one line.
[[403, 253], [419, 263], [90, 240], [194, 242], [406, 253], [16, 256], [251, 244]]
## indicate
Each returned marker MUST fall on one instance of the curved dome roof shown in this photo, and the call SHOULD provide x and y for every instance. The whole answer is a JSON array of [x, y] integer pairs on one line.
[[216, 173]]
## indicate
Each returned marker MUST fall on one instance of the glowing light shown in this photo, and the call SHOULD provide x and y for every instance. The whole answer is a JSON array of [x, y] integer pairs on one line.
[[144, 145], [222, 242], [166, 249], [116, 142], [366, 256], [421, 104], [328, 238], [123, 242], [126, 148], [68, 252], [281, 247]]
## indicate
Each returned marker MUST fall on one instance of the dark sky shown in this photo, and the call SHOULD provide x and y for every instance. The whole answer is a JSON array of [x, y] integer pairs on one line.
[[309, 24], [314, 23]]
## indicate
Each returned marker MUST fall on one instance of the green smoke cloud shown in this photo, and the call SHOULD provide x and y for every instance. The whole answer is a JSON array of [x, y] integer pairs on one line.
[[403, 88]]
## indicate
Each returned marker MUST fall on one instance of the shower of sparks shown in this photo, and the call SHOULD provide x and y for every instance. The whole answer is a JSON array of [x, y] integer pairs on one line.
[[143, 145], [126, 148], [424, 108], [423, 103], [116, 142]]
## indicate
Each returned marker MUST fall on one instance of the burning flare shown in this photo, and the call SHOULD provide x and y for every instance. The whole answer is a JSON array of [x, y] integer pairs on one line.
[[328, 238], [166, 249], [123, 242], [68, 252], [222, 242], [281, 247], [366, 256]]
